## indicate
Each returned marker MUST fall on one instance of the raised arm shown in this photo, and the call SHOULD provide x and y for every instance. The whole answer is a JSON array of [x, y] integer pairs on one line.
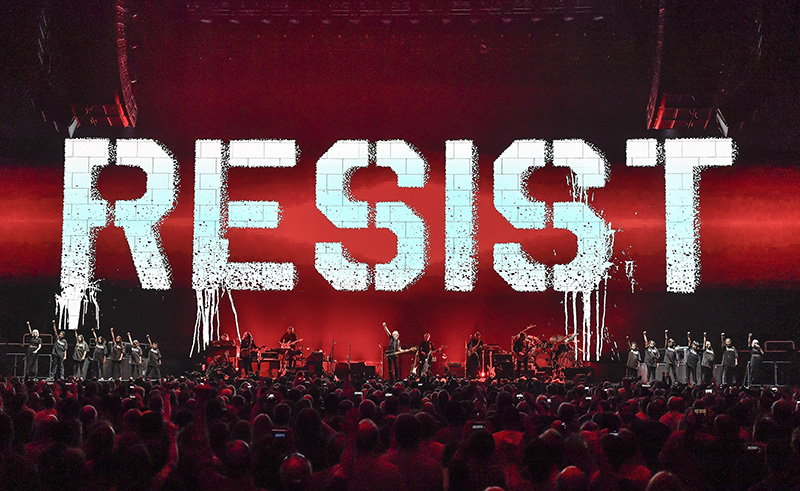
[[645, 338], [30, 331], [750, 340], [689, 339], [722, 339], [113, 338], [94, 333], [705, 339], [666, 337], [148, 340], [55, 331], [628, 339], [387, 330], [129, 339]]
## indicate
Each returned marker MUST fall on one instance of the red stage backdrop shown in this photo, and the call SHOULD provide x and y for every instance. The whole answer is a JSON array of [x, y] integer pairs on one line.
[[490, 82]]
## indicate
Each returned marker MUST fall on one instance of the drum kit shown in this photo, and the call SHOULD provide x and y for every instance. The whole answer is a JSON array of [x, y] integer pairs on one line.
[[549, 356]]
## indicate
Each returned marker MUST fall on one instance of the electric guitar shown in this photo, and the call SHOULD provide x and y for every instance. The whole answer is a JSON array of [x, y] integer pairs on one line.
[[400, 352], [426, 365], [471, 351], [290, 344]]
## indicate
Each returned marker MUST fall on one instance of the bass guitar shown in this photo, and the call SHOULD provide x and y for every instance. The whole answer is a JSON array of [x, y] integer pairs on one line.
[[400, 352]]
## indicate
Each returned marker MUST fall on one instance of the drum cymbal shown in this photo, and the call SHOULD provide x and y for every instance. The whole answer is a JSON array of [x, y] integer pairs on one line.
[[558, 338]]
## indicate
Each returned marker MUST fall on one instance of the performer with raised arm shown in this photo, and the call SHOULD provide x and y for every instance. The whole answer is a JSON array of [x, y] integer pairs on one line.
[[59, 354], [136, 357], [98, 356], [730, 360], [32, 353], [650, 358], [474, 352], [670, 357], [288, 343], [692, 358], [153, 361], [756, 360], [117, 352], [247, 350], [392, 348], [634, 360], [707, 362], [79, 357]]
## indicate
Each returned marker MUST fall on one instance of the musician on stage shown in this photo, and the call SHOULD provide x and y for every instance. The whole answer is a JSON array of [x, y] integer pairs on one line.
[[634, 360], [424, 352], [247, 350], [730, 360], [287, 342], [474, 347], [391, 357], [670, 357], [756, 360], [32, 353], [520, 346]]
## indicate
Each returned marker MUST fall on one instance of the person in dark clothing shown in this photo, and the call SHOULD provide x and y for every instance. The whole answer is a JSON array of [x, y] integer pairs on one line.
[[707, 362], [692, 358], [136, 357], [756, 360], [59, 354], [474, 347], [32, 353], [650, 358], [423, 352], [730, 360], [247, 351], [153, 361], [670, 357], [79, 356], [98, 356], [117, 351], [634, 360], [391, 357], [521, 347], [288, 342]]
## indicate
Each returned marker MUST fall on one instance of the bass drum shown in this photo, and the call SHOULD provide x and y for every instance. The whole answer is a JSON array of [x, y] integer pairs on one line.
[[538, 361]]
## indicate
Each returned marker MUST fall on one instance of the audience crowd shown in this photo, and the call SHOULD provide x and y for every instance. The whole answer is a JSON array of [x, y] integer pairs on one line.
[[303, 434]]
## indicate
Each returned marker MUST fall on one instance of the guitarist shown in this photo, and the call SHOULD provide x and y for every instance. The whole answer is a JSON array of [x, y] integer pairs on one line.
[[424, 351], [474, 345], [247, 350], [521, 348], [393, 359], [288, 341]]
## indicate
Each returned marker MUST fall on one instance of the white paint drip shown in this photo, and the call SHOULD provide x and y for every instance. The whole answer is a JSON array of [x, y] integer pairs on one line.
[[89, 296], [630, 268], [207, 323]]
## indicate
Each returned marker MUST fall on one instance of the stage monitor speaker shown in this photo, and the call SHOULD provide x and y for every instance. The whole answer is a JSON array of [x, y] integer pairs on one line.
[[581, 375], [358, 369], [456, 370], [504, 370], [270, 368], [342, 370]]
